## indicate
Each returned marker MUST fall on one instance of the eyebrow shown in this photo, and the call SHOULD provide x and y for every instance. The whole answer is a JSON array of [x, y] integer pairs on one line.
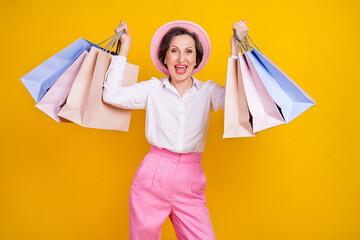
[[177, 47]]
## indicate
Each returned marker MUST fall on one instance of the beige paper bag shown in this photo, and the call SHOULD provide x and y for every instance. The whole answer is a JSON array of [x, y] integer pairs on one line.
[[84, 104], [236, 112]]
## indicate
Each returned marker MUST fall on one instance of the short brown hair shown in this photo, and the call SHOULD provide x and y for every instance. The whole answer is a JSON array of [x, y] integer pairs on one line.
[[176, 31]]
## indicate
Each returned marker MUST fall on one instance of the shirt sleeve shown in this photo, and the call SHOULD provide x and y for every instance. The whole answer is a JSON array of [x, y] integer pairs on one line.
[[128, 97], [217, 96]]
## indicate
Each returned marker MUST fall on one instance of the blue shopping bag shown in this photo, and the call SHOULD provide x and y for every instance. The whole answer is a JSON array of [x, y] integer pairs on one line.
[[290, 98], [40, 79]]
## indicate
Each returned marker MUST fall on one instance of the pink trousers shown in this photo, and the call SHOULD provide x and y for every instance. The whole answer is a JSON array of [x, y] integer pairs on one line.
[[168, 184]]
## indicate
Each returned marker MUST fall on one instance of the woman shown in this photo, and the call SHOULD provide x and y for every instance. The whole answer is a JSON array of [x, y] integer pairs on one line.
[[170, 181]]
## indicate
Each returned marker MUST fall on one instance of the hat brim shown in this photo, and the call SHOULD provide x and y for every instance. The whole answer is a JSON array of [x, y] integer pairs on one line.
[[191, 27]]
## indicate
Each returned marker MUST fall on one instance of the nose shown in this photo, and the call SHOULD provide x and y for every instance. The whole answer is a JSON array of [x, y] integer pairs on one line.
[[181, 57]]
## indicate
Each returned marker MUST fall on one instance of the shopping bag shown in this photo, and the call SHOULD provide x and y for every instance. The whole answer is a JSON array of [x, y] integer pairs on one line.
[[56, 96], [265, 114], [84, 104], [237, 119], [39, 80], [291, 99]]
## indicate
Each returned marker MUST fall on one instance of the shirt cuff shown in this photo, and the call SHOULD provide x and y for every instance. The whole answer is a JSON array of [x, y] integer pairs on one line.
[[118, 61], [115, 74], [232, 56]]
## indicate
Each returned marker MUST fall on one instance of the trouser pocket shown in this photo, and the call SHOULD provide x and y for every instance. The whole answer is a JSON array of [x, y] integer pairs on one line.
[[143, 171], [198, 181]]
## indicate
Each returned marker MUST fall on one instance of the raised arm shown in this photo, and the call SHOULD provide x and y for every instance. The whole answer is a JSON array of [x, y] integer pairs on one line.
[[129, 97], [218, 91]]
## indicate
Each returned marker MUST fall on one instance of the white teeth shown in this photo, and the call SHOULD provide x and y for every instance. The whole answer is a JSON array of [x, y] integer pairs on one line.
[[181, 69]]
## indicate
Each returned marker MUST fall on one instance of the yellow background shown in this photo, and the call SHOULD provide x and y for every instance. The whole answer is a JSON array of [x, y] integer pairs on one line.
[[292, 182]]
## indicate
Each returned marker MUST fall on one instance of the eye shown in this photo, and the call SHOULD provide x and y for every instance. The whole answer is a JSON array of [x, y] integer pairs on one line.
[[189, 51], [173, 50]]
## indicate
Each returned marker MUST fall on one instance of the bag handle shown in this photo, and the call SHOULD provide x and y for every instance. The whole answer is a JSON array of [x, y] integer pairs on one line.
[[114, 39], [245, 44], [121, 32]]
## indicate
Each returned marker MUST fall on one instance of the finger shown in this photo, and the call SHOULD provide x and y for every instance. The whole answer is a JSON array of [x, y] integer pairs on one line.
[[118, 29], [121, 27], [237, 26], [241, 23], [126, 29], [122, 23]]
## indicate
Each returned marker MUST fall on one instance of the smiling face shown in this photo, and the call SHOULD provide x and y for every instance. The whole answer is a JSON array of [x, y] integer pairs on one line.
[[181, 57]]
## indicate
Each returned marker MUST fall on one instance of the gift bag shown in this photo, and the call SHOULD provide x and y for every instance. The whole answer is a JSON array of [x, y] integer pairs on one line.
[[40, 79], [291, 99], [56, 96], [237, 119], [265, 114], [84, 104]]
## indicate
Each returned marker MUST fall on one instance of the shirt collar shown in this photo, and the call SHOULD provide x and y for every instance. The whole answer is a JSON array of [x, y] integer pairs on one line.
[[196, 83]]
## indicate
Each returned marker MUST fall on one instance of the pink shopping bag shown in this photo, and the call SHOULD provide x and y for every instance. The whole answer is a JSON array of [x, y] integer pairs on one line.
[[55, 98], [265, 114]]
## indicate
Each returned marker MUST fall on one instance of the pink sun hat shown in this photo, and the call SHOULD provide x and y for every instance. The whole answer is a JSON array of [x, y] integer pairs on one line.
[[191, 27]]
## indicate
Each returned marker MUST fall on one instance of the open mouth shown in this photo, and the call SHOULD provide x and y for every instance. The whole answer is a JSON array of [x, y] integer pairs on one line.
[[180, 69]]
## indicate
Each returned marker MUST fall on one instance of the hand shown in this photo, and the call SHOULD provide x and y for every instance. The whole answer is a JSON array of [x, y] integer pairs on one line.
[[241, 30], [125, 38]]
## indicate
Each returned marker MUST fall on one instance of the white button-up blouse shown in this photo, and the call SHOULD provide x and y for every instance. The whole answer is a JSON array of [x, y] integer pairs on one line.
[[176, 123]]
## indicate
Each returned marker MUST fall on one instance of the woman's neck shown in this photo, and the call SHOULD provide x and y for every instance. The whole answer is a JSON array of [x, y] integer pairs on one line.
[[181, 86]]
